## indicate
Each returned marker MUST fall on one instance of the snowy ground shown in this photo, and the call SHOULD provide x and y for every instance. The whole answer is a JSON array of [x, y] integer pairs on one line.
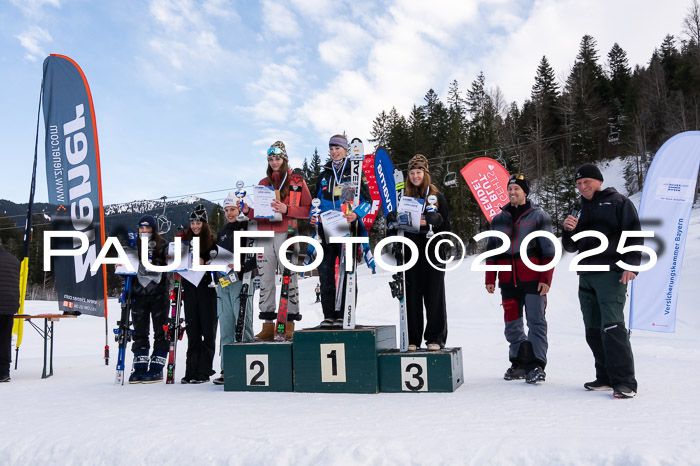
[[79, 416]]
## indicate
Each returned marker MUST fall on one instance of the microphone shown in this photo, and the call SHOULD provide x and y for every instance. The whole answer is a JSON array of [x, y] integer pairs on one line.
[[575, 212]]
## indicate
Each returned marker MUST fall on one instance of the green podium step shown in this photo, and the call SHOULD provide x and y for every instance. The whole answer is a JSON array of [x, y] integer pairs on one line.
[[259, 366], [421, 371], [340, 361]]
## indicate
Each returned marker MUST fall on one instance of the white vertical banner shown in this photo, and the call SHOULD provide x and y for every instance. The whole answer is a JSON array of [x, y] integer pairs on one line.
[[667, 197]]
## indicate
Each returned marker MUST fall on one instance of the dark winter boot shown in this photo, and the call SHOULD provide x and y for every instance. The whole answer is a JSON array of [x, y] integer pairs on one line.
[[140, 366], [514, 372], [155, 371]]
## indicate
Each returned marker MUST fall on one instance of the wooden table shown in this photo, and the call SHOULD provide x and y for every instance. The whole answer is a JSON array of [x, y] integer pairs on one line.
[[46, 334]]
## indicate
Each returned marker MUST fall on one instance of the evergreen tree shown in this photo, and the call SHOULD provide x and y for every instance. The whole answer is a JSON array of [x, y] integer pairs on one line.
[[381, 128], [620, 76], [314, 168], [584, 106]]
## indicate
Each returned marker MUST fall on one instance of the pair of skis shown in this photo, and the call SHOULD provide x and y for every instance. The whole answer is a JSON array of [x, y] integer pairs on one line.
[[123, 333], [175, 327], [295, 190], [247, 290], [347, 281], [391, 185]]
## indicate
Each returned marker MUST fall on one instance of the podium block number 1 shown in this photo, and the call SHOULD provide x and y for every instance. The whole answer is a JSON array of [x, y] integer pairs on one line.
[[414, 374], [256, 371], [332, 362]]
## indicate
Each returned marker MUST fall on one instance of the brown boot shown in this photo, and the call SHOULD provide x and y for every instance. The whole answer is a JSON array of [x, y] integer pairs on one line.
[[289, 330], [267, 332]]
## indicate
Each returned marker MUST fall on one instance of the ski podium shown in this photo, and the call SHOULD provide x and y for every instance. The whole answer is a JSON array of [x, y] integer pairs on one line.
[[351, 359]]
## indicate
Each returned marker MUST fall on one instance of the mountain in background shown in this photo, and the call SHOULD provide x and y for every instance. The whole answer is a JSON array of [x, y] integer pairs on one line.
[[119, 218]]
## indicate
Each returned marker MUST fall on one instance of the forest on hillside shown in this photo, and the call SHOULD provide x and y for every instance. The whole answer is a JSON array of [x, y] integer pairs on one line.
[[602, 108]]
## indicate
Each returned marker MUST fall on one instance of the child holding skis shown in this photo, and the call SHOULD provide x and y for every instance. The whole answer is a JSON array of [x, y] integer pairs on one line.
[[200, 305], [229, 299], [290, 207], [424, 283], [332, 183], [150, 303]]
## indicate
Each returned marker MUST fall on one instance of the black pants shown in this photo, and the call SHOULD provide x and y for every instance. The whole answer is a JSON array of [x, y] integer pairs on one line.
[[326, 273], [144, 310], [200, 316], [6, 323], [425, 286]]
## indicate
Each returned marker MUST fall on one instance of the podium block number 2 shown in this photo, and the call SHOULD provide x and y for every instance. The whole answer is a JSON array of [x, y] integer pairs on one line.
[[256, 371], [414, 374], [332, 362]]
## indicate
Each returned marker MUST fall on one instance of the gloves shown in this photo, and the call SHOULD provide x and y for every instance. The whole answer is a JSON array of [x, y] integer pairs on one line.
[[433, 218], [391, 219], [369, 259]]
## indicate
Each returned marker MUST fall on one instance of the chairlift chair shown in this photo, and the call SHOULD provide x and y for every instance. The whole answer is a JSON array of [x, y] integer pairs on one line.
[[450, 180], [614, 137], [164, 224]]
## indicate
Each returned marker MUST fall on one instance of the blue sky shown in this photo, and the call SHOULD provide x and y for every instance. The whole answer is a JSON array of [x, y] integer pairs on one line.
[[189, 94]]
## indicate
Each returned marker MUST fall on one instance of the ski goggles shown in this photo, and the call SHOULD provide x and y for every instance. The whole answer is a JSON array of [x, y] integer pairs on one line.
[[274, 151], [517, 177]]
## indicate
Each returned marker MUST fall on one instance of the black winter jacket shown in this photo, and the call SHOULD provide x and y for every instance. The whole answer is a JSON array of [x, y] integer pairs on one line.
[[9, 283], [610, 213], [225, 240]]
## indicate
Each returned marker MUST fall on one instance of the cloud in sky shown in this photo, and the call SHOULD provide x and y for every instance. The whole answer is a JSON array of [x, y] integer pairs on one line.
[[33, 8], [32, 40], [185, 46], [243, 74]]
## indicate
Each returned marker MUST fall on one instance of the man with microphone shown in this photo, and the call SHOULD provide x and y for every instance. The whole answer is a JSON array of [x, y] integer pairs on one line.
[[602, 293]]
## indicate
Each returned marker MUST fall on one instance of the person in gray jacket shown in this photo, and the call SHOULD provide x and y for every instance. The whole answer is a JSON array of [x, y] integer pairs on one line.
[[9, 305], [521, 286]]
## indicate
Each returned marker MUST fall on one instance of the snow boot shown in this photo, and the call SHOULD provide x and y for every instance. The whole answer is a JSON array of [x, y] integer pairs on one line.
[[514, 372], [4, 378], [535, 375], [155, 371], [326, 323], [289, 330], [267, 333], [140, 366]]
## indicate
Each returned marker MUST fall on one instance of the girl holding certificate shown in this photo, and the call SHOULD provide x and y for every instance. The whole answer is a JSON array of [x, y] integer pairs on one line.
[[424, 283], [292, 201]]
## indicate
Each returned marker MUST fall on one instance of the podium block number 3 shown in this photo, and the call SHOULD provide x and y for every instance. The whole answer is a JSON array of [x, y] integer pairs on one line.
[[332, 362], [256, 372], [414, 374]]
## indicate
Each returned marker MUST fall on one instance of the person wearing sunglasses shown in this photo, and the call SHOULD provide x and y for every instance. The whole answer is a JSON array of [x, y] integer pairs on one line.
[[521, 287], [332, 189], [293, 202]]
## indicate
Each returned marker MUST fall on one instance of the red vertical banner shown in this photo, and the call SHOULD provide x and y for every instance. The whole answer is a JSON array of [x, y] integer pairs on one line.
[[488, 181], [368, 169]]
